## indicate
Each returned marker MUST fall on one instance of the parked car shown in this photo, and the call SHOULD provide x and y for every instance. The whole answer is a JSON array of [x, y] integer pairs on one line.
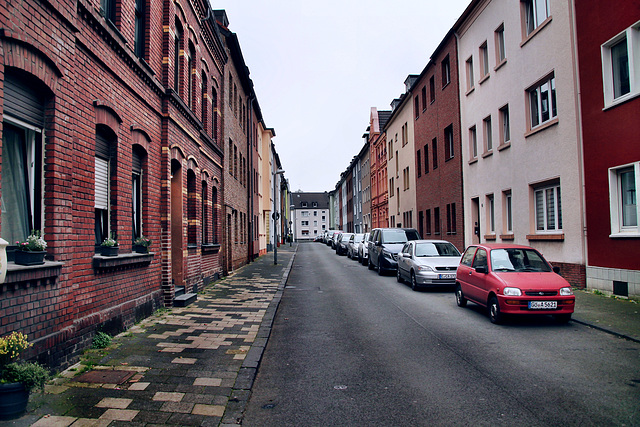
[[512, 280], [363, 251], [352, 246], [428, 263], [329, 237], [334, 238], [385, 245], [342, 243]]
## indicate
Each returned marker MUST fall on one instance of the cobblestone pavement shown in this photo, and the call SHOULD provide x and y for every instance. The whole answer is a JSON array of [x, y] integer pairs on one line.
[[186, 366]]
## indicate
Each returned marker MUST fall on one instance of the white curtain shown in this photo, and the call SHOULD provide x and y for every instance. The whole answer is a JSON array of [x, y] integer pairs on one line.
[[15, 190]]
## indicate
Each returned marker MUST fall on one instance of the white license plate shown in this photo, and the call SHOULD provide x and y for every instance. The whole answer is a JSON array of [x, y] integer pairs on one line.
[[446, 276], [543, 305]]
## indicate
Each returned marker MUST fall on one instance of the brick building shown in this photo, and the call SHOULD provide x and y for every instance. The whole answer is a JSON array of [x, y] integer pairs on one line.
[[438, 153], [378, 168], [112, 125]]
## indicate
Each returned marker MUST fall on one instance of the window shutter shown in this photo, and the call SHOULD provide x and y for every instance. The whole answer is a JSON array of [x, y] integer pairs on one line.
[[23, 101], [102, 184], [136, 163]]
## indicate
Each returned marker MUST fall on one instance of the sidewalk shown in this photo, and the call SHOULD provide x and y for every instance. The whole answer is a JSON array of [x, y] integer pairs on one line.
[[196, 365], [186, 366]]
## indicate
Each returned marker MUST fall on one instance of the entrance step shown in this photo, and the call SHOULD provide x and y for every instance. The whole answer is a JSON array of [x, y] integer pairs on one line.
[[184, 299], [179, 290]]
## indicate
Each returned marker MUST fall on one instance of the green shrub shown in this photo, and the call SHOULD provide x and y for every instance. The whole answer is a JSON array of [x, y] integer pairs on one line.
[[101, 340], [31, 375]]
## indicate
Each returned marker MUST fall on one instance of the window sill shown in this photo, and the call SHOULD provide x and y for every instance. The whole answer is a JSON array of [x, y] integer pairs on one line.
[[507, 237], [447, 84], [211, 248], [504, 146], [542, 127], [625, 235], [24, 273], [484, 78], [536, 31], [557, 237], [620, 100], [470, 90], [500, 65], [121, 261], [474, 160], [489, 237], [487, 154]]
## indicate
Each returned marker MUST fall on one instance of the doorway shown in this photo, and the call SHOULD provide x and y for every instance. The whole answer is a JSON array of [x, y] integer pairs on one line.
[[177, 254]]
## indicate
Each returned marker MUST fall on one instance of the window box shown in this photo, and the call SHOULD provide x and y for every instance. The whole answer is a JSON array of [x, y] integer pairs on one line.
[[123, 260], [140, 249], [109, 250], [29, 257]]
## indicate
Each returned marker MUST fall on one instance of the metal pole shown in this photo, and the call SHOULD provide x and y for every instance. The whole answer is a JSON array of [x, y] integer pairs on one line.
[[275, 229]]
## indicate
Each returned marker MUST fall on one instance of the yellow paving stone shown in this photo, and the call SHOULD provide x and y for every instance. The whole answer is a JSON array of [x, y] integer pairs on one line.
[[208, 410], [164, 396], [114, 402], [139, 386], [239, 356], [55, 389], [54, 421], [119, 414], [184, 360], [211, 382]]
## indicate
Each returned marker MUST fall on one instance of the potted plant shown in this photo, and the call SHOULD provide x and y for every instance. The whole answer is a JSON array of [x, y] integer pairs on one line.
[[141, 245], [32, 250], [109, 247], [17, 379]]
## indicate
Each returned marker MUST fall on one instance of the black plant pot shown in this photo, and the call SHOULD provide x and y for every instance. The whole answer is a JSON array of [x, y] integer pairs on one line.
[[141, 249], [13, 400], [29, 258], [109, 250]]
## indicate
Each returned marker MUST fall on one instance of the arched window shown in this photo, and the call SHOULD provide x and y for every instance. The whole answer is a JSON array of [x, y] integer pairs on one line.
[[205, 213], [177, 84], [104, 169], [192, 236], [203, 101], [191, 78], [137, 181], [214, 216], [214, 113]]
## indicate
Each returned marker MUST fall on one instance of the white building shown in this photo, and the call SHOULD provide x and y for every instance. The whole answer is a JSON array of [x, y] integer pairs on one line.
[[309, 214]]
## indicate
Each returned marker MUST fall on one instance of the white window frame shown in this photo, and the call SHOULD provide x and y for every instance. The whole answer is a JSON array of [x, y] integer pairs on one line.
[[615, 203], [534, 94], [491, 214], [632, 35], [487, 134], [501, 51], [470, 78], [556, 208], [505, 125], [473, 142], [508, 212], [539, 13]]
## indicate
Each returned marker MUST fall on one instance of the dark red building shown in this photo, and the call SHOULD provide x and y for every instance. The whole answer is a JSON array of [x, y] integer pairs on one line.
[[608, 53], [439, 198]]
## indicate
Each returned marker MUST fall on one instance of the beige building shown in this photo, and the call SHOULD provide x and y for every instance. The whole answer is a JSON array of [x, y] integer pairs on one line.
[[520, 139], [264, 184], [401, 161]]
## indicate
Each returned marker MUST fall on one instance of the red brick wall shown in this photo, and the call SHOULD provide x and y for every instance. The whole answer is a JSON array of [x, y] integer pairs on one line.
[[442, 186]]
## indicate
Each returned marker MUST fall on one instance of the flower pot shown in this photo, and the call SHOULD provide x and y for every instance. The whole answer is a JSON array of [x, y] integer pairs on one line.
[[29, 258], [13, 400], [141, 249], [109, 250]]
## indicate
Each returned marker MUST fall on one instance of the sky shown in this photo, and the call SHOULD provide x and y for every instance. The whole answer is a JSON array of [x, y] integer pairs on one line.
[[319, 67]]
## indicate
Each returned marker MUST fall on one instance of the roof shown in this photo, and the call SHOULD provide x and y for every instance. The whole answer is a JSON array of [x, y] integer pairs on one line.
[[322, 200], [383, 117]]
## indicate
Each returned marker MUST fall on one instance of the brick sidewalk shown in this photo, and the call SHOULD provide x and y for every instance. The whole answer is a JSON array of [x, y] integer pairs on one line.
[[193, 365]]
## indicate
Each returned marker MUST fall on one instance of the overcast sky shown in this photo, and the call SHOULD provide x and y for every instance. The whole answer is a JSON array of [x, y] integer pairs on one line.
[[319, 67]]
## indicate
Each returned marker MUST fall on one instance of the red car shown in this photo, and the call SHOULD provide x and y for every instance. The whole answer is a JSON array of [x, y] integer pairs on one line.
[[513, 280]]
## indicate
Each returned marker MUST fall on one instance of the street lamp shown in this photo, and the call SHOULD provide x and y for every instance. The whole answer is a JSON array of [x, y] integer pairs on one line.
[[275, 216]]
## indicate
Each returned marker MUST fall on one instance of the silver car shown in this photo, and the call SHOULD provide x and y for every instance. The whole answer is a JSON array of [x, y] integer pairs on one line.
[[428, 263], [363, 251], [352, 246]]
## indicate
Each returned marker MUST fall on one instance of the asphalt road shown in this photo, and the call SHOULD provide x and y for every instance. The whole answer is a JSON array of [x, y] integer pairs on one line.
[[350, 348]]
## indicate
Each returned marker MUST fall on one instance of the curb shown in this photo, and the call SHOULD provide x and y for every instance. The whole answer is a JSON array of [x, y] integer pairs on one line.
[[241, 390], [608, 331]]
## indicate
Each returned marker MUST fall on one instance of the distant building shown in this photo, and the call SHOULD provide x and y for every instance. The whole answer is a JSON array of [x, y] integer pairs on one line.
[[378, 168], [608, 56], [309, 214]]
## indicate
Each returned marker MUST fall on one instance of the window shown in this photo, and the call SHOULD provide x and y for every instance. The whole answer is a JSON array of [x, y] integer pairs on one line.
[[426, 158], [448, 142], [21, 180], [427, 221], [535, 13], [105, 140], [424, 98], [192, 227], [391, 194], [473, 143], [416, 106], [109, 9], [488, 135], [214, 214], [421, 223], [405, 134], [214, 113], [542, 102], [418, 164], [451, 218], [203, 100], [177, 85], [434, 152], [204, 200], [405, 177], [508, 212], [623, 201], [491, 214], [432, 89], [140, 29], [505, 129], [436, 220], [548, 208], [484, 60], [621, 72], [304, 223], [470, 81], [191, 85], [446, 71], [501, 53], [136, 191]]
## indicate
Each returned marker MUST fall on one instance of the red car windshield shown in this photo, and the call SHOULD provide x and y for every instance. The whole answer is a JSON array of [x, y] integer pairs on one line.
[[518, 260]]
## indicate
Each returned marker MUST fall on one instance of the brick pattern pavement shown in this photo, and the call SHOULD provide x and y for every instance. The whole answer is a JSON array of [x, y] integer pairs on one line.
[[187, 361]]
